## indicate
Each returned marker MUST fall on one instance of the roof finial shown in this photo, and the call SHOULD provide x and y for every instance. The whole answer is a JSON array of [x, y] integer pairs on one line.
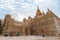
[[37, 7], [48, 9]]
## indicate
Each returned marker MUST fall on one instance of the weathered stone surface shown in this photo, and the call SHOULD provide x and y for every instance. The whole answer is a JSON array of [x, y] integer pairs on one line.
[[49, 22]]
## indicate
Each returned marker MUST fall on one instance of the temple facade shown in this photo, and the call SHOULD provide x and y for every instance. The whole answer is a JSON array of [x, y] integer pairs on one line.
[[47, 23]]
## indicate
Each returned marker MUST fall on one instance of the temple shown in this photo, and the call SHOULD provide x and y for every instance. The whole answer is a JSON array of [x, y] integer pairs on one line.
[[48, 23]]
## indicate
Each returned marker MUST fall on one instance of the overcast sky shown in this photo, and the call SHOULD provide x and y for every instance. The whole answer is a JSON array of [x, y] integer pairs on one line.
[[20, 9]]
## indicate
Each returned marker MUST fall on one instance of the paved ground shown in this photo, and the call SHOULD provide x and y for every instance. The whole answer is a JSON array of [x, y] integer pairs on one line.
[[28, 38]]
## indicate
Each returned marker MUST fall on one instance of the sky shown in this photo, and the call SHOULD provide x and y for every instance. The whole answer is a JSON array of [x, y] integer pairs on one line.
[[20, 9]]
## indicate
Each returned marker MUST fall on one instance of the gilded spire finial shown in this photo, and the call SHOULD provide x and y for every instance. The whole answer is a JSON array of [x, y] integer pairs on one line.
[[48, 9]]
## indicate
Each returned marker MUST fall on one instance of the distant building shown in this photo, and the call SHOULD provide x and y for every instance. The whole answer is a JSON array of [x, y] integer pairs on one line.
[[48, 22]]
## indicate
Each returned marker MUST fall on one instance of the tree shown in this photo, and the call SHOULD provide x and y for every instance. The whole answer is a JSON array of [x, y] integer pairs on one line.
[[0, 27]]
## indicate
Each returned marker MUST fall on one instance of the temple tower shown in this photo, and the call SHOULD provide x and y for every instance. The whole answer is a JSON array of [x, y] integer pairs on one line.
[[38, 12], [6, 23]]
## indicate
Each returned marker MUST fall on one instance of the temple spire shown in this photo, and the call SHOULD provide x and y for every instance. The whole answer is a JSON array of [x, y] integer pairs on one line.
[[38, 12]]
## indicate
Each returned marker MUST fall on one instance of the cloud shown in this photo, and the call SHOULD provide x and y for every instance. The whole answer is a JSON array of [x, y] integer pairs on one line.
[[24, 8], [1, 6], [19, 17], [39, 1]]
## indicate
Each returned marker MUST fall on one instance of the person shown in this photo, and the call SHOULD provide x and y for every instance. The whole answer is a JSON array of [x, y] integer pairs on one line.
[[17, 34], [43, 31], [11, 34], [6, 34]]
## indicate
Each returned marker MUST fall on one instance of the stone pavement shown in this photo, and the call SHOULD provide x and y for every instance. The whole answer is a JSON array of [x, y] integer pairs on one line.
[[28, 38]]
